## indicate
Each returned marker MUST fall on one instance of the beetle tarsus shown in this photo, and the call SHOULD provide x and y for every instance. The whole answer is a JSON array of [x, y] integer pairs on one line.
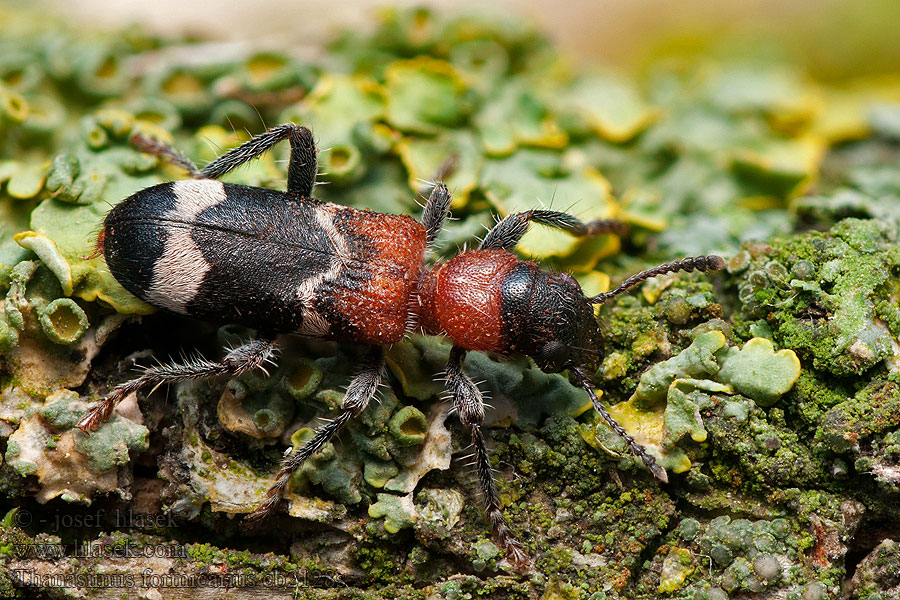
[[149, 145], [435, 212], [512, 546], [289, 465]]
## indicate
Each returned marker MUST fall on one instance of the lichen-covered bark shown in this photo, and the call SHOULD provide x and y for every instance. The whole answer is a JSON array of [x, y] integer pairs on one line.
[[769, 391]]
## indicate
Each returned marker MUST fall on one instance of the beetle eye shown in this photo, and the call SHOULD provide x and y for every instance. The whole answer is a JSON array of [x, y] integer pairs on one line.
[[555, 356]]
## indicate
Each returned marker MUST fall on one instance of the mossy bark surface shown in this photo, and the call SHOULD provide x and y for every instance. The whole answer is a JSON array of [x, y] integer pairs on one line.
[[770, 391]]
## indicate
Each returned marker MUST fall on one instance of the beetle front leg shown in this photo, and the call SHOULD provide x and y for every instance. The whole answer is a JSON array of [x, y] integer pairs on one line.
[[468, 402], [240, 360], [507, 233], [361, 390]]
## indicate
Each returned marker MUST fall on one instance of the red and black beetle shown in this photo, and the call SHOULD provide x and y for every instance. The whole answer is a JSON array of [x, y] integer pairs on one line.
[[283, 262]]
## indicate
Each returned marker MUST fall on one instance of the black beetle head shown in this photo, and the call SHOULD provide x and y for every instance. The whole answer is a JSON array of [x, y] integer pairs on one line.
[[550, 320]]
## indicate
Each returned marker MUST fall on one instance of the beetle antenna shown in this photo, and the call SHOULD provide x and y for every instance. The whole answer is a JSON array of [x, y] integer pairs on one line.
[[637, 449], [700, 263]]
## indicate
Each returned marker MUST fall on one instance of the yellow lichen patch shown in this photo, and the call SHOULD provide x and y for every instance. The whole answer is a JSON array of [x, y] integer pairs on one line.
[[149, 128], [593, 283], [12, 105], [50, 255], [612, 106], [655, 286], [677, 567], [845, 112], [792, 164], [262, 67], [182, 83], [647, 427], [424, 157]]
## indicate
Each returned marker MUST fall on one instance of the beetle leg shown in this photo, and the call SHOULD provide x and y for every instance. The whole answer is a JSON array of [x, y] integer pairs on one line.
[[507, 233], [361, 390], [301, 170], [149, 145], [468, 402], [435, 212], [243, 358]]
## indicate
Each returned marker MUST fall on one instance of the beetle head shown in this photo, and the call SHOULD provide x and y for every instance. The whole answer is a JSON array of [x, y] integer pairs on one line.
[[550, 320]]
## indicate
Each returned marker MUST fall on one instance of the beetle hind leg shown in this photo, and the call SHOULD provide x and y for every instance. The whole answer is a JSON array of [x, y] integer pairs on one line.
[[302, 168], [361, 390], [166, 152], [239, 360]]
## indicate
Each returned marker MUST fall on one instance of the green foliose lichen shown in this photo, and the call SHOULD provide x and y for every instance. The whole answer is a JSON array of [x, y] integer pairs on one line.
[[767, 392]]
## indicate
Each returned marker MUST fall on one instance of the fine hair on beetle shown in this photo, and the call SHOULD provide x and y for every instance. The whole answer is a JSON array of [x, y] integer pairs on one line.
[[286, 263]]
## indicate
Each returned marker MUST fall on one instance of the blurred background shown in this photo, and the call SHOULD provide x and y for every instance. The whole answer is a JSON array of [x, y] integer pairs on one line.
[[834, 39]]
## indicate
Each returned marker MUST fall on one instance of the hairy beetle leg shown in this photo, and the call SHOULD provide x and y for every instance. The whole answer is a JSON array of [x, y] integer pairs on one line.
[[240, 360], [362, 389], [507, 233], [301, 170], [468, 402]]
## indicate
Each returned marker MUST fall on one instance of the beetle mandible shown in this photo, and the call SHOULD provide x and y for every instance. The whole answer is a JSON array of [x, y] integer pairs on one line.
[[284, 262]]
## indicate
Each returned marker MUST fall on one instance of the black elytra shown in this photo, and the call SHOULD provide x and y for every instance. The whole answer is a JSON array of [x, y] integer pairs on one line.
[[284, 262]]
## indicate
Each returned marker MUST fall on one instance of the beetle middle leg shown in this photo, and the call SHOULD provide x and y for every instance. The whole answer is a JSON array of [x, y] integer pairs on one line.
[[507, 233], [240, 360], [468, 402], [435, 212], [361, 390]]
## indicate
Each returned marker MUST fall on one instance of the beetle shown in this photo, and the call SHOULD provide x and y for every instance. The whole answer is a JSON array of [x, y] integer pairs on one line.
[[284, 262]]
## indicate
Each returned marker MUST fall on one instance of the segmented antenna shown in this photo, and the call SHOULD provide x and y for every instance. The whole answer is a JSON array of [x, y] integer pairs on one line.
[[637, 449], [700, 263]]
